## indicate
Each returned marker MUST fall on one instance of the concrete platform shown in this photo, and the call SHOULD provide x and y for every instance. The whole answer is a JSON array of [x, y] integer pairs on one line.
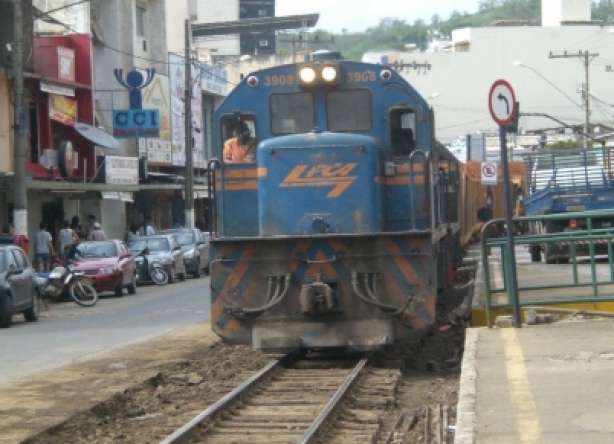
[[548, 383], [551, 383]]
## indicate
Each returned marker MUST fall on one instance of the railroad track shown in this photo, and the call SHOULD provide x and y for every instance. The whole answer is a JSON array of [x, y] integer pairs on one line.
[[297, 402]]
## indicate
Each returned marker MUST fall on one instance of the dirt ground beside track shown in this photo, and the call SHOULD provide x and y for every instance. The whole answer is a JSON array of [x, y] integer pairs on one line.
[[142, 393], [34, 403]]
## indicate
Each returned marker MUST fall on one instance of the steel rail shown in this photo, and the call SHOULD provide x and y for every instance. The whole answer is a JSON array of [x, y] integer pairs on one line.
[[188, 428], [330, 406]]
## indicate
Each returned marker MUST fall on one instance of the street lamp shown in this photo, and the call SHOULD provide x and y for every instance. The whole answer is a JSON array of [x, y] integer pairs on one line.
[[585, 108], [522, 65]]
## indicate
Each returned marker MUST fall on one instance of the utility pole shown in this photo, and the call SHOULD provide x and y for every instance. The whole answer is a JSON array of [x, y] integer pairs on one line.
[[20, 213], [189, 170], [586, 57], [301, 42]]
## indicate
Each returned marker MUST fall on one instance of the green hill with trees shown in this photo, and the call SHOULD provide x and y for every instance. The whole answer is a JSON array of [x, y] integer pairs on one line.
[[394, 34]]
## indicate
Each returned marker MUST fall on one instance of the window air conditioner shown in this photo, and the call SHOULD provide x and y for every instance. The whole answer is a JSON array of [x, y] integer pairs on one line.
[[49, 158]]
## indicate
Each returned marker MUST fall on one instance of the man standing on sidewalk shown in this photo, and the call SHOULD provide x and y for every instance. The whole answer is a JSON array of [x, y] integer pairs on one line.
[[97, 234], [44, 247]]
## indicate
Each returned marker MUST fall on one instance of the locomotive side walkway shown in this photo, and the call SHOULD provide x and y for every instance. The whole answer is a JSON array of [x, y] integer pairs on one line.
[[548, 383]]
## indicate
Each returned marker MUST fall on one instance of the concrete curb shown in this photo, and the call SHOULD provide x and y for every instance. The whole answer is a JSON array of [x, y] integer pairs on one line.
[[466, 422]]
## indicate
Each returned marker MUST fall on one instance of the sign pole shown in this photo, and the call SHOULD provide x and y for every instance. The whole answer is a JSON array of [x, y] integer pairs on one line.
[[189, 171], [512, 289], [503, 107]]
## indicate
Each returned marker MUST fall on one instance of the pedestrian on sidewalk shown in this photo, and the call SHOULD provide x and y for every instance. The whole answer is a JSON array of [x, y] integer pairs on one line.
[[67, 237], [44, 247], [75, 225], [132, 232], [7, 237], [97, 234], [147, 229], [91, 220]]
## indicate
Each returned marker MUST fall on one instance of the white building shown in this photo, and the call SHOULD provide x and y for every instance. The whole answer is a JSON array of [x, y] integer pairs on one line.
[[460, 81], [212, 12]]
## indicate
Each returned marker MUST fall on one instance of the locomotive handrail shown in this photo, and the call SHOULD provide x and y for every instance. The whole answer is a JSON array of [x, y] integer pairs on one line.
[[443, 182], [212, 165], [412, 157]]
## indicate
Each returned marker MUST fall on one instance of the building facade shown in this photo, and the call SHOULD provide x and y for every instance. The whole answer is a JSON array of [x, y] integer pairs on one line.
[[458, 81], [253, 44]]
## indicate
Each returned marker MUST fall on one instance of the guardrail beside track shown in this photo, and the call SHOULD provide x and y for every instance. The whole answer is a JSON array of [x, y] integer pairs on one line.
[[571, 287]]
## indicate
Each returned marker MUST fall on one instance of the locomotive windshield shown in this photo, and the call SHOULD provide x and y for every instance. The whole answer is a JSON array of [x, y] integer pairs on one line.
[[292, 113], [340, 103]]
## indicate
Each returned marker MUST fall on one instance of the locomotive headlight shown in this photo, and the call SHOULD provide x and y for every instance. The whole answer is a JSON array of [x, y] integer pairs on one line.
[[308, 75], [329, 73], [316, 75]]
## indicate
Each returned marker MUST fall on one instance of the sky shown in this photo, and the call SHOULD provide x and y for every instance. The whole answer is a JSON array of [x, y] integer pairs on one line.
[[358, 15]]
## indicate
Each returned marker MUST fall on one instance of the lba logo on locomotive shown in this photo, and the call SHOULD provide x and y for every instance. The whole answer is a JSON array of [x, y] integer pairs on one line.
[[336, 175]]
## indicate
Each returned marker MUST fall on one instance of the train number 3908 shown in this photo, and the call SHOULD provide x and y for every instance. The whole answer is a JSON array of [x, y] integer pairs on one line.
[[279, 80], [364, 76]]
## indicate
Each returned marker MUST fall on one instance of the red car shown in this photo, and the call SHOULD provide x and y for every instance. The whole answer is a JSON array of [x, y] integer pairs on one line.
[[109, 264]]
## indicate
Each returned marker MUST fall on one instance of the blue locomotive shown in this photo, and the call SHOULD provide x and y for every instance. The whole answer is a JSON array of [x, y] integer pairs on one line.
[[334, 211]]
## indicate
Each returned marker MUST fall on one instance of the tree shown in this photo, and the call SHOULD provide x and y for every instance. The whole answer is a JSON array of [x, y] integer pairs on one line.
[[565, 145], [455, 15], [602, 10]]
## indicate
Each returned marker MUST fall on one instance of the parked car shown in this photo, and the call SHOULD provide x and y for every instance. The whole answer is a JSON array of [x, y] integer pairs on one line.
[[164, 249], [195, 249], [109, 263], [17, 286]]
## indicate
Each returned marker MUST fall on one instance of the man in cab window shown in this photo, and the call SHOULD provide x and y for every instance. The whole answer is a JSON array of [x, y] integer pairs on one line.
[[242, 147]]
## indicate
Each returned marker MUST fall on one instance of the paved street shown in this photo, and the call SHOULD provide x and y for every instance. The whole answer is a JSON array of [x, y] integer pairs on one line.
[[67, 331]]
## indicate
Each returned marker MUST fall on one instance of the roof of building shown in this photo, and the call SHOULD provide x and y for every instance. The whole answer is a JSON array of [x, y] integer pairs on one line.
[[257, 25]]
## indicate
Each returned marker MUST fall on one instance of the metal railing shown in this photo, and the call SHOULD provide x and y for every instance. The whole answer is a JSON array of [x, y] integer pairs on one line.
[[568, 277]]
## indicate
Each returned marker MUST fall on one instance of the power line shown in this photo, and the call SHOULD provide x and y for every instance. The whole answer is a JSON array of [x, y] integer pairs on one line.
[[47, 13], [586, 57], [89, 39]]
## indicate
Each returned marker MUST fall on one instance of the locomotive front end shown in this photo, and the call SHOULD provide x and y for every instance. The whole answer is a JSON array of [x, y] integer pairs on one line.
[[322, 273], [326, 228]]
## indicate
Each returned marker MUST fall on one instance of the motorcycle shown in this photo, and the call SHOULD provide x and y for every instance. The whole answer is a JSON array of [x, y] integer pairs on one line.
[[62, 279], [149, 270]]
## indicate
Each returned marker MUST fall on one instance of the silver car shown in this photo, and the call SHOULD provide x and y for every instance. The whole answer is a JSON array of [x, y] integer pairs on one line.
[[164, 249], [195, 248], [17, 286]]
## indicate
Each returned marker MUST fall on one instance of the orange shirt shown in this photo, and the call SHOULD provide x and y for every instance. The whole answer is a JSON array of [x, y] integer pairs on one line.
[[235, 151]]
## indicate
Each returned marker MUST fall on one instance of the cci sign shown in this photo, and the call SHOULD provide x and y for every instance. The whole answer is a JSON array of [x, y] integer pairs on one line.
[[135, 122]]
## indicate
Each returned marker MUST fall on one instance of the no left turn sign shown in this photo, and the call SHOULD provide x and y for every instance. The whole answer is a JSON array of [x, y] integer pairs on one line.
[[502, 102], [489, 173]]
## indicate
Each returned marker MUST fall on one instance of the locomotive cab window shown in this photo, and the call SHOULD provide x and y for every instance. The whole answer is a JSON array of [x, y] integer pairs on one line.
[[349, 110], [239, 138], [402, 132], [292, 113]]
